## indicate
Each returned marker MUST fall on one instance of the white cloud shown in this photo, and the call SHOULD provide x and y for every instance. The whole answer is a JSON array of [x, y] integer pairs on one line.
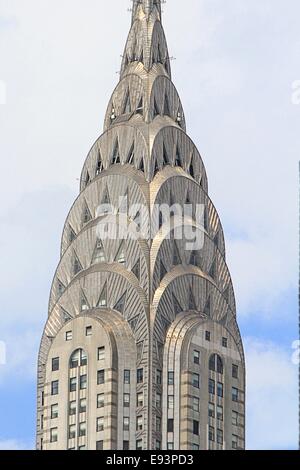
[[272, 397]]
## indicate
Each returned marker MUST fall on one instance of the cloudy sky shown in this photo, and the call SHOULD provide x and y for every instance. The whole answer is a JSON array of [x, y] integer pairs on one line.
[[237, 62]]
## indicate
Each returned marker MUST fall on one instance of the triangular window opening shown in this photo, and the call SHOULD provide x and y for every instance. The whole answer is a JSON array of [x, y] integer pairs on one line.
[[120, 258], [156, 111], [116, 154], [165, 156], [84, 306], [177, 306], [87, 178], [105, 203], [140, 108], [163, 270], [212, 271], [194, 258], [207, 307], [102, 302], [130, 157], [60, 287], [205, 219], [142, 57], [99, 166], [192, 173], [72, 234], [127, 105], [192, 303], [226, 294], [133, 323], [216, 239], [137, 270], [177, 157], [87, 216], [166, 107], [141, 167], [65, 315], [98, 255], [120, 305], [156, 167], [77, 267], [176, 255]]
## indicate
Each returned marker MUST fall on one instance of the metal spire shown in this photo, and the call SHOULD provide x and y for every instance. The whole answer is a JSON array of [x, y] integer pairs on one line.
[[147, 7]]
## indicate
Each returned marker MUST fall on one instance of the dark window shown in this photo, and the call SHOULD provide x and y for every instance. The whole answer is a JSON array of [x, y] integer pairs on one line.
[[72, 408], [220, 389], [55, 364], [235, 394], [196, 380], [158, 377], [83, 382], [100, 377], [126, 376], [224, 342], [82, 429], [53, 435], [140, 376], [101, 353], [100, 424], [235, 441], [158, 445], [54, 387], [196, 428], [89, 331], [211, 386], [211, 433], [216, 363], [220, 436], [126, 400], [78, 358], [42, 398], [235, 371], [139, 444], [82, 405], [196, 357], [211, 410], [100, 400], [73, 384], [220, 413], [170, 425], [126, 424], [170, 378], [158, 424], [125, 445], [54, 411], [99, 445], [207, 335]]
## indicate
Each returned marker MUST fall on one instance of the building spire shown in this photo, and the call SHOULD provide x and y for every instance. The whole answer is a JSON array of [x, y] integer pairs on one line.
[[146, 6]]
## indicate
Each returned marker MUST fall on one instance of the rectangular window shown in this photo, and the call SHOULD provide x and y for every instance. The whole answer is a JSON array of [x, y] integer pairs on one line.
[[55, 364], [196, 357], [170, 426], [53, 435], [211, 386], [99, 445], [195, 446], [196, 380], [100, 424], [125, 445], [83, 382], [170, 445], [170, 378], [69, 336], [211, 434], [211, 410], [220, 437], [42, 421], [54, 387], [101, 353], [235, 418], [140, 400], [54, 411], [220, 413], [140, 376], [235, 394], [126, 400], [42, 398], [139, 444], [158, 400], [224, 342], [127, 377], [196, 427], [100, 377], [170, 402], [100, 400], [158, 445], [235, 441], [158, 424], [89, 331], [82, 429], [139, 423], [72, 431], [73, 384], [72, 408], [220, 390], [207, 335], [126, 423], [196, 404], [235, 371], [82, 405], [158, 377]]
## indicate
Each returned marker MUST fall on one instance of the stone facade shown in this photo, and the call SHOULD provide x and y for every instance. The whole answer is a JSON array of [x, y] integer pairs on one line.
[[141, 349]]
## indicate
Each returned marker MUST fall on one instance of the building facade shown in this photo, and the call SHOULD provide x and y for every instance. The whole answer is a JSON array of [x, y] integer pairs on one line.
[[141, 348]]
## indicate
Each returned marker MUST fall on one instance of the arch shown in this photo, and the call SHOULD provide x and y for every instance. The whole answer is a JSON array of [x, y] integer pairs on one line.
[[216, 363], [78, 358]]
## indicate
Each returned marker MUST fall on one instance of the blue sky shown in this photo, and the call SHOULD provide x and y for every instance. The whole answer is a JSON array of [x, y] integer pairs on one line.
[[236, 62]]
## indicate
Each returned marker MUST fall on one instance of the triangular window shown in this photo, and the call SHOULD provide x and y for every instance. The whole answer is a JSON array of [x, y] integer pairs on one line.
[[141, 167], [120, 305], [176, 305], [163, 270], [105, 203], [156, 167], [116, 153], [176, 255], [192, 303], [60, 288], [84, 306], [156, 111], [130, 156], [133, 323], [120, 258], [207, 307], [65, 315], [212, 271], [194, 258], [140, 107], [192, 173], [165, 156], [87, 216], [166, 107], [99, 165], [177, 157], [102, 302], [137, 270], [87, 178], [205, 219], [127, 104], [77, 267], [72, 234], [98, 255]]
